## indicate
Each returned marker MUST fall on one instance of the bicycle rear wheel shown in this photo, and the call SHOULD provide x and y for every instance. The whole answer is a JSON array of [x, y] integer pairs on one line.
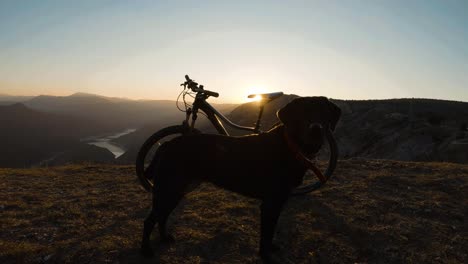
[[325, 161], [149, 149]]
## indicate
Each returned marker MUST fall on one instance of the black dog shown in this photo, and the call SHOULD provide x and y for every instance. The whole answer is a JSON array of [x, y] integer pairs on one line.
[[260, 166]]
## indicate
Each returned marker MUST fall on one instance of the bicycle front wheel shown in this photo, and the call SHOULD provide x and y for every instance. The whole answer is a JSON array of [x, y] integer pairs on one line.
[[325, 163], [149, 149]]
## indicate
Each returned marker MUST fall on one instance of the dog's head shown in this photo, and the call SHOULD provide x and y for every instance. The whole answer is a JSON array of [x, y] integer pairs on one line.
[[305, 118]]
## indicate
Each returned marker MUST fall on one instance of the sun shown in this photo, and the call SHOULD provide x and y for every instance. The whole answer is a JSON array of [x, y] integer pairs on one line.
[[253, 93], [256, 98]]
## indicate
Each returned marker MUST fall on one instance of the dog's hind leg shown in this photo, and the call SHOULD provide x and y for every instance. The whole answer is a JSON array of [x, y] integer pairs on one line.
[[149, 223], [270, 212], [159, 214], [165, 210], [167, 200]]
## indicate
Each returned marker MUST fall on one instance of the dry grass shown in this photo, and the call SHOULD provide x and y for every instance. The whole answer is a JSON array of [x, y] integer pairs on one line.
[[373, 211]]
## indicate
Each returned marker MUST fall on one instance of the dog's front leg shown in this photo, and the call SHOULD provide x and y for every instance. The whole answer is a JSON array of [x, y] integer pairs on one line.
[[149, 223], [270, 212]]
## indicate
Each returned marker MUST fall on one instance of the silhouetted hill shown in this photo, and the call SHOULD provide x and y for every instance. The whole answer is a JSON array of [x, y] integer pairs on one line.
[[398, 129], [404, 129], [56, 124], [6, 99], [29, 137], [112, 113], [371, 212]]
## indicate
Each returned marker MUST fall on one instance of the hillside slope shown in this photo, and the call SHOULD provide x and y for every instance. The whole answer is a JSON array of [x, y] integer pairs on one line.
[[110, 113], [114, 114], [373, 211], [6, 99], [404, 129], [396, 129], [29, 137]]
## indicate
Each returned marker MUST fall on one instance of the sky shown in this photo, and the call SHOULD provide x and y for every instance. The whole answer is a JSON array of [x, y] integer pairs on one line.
[[142, 49]]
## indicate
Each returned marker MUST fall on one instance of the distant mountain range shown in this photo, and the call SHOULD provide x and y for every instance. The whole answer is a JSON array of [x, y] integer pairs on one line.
[[29, 137], [47, 130], [111, 113], [6, 99]]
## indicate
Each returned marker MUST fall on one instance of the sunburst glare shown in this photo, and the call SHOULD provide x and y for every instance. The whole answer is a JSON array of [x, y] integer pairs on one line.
[[254, 93]]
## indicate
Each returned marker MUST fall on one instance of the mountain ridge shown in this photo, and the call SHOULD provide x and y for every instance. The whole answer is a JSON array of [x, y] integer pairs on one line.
[[400, 129], [30, 137]]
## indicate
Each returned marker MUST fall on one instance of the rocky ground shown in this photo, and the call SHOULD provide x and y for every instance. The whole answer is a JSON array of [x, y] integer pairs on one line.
[[373, 211]]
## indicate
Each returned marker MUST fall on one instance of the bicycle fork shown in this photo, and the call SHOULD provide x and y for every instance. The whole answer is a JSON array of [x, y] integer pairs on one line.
[[190, 112]]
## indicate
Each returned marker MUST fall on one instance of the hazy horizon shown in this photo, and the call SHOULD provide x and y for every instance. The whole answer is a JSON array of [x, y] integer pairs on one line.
[[142, 50], [223, 102]]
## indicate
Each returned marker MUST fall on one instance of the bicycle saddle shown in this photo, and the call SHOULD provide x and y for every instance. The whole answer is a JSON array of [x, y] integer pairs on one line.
[[267, 96]]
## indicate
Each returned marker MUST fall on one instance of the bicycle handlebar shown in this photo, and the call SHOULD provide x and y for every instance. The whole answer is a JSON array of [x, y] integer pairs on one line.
[[198, 89], [210, 93]]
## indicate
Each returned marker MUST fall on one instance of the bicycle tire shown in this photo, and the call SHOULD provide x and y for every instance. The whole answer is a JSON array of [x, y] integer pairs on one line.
[[330, 168], [154, 139]]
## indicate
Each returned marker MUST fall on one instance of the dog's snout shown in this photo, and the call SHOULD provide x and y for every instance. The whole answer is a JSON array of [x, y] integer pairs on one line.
[[315, 125], [313, 138]]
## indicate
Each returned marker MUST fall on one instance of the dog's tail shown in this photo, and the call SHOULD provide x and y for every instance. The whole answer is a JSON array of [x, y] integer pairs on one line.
[[152, 171]]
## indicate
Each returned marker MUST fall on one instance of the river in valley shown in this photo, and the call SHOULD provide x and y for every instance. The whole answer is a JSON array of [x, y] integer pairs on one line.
[[105, 141]]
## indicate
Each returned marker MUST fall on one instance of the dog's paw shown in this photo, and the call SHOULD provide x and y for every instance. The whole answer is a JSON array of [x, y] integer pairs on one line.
[[265, 255], [275, 248], [167, 239], [268, 258], [274, 259], [146, 251], [270, 255]]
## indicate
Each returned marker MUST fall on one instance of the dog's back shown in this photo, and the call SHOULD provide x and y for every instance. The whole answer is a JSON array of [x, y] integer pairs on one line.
[[253, 165]]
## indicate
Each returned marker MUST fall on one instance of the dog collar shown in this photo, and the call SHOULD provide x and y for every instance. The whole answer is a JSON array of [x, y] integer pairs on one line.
[[298, 155]]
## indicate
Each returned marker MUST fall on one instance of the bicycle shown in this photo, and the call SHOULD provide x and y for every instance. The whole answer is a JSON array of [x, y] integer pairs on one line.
[[325, 160]]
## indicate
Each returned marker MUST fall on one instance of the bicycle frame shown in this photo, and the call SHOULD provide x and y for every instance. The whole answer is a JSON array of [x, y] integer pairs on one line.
[[215, 117]]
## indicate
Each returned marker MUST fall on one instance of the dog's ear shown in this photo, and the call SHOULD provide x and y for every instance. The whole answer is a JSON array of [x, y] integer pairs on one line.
[[309, 108], [335, 113], [292, 112]]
